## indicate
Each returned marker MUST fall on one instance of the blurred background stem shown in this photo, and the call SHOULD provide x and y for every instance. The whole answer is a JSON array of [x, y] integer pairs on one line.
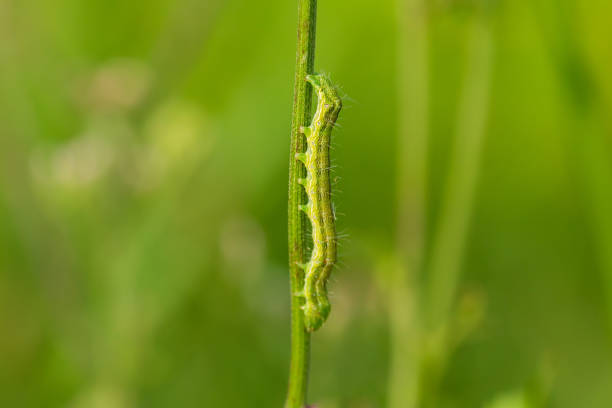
[[411, 202], [300, 338], [413, 319], [451, 232], [450, 235], [588, 145]]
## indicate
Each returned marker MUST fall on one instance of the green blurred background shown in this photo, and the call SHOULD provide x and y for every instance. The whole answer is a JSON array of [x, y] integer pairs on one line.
[[143, 192]]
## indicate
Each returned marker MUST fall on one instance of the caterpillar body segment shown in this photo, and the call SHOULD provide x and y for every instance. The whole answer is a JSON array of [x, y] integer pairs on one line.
[[327, 210], [319, 209]]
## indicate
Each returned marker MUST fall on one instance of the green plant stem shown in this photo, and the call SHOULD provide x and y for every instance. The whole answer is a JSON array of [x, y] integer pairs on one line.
[[450, 236], [411, 202], [300, 338], [588, 142]]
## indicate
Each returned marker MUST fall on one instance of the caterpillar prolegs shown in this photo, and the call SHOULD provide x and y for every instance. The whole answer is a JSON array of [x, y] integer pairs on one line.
[[319, 207]]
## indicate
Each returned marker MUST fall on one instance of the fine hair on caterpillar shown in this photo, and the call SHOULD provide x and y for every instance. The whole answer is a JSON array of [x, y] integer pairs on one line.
[[319, 208]]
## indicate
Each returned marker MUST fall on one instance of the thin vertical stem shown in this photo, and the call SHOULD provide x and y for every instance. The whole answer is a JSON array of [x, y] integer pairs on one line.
[[588, 141], [300, 338], [449, 238], [411, 203]]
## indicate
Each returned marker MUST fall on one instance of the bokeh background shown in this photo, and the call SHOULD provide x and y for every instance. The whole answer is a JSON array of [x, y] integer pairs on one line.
[[143, 191]]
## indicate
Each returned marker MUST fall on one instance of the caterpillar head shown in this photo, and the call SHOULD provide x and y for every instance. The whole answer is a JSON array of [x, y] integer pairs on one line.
[[327, 92]]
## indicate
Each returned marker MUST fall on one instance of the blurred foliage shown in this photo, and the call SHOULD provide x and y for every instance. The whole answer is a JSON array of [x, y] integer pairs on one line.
[[143, 169]]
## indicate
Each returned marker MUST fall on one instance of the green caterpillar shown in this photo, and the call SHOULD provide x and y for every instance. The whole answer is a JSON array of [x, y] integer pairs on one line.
[[319, 208]]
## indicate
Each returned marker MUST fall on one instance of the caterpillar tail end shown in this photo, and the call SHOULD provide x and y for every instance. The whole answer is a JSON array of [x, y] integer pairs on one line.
[[313, 320], [324, 309], [315, 314]]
